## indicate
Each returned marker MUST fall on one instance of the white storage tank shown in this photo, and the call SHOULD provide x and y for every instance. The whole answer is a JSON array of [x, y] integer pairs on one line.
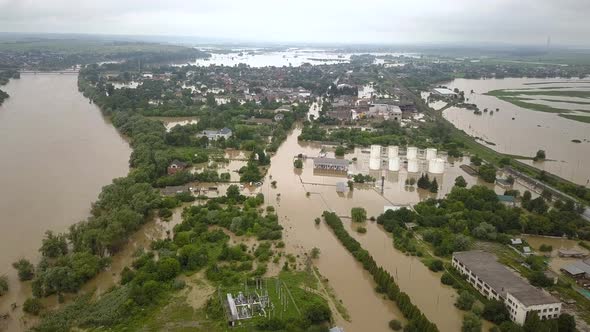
[[412, 152], [375, 151], [436, 166], [375, 163], [392, 151], [413, 165], [394, 164], [430, 153]]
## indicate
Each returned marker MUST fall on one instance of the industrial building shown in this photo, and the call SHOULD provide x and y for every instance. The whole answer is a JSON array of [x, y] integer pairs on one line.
[[330, 164], [497, 282], [444, 92]]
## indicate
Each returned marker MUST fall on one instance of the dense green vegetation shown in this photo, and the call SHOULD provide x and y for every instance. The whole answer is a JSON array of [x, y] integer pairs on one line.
[[199, 243], [385, 282], [54, 53]]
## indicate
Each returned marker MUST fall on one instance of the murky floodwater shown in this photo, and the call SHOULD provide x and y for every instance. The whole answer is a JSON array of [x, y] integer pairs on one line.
[[529, 131], [57, 153], [297, 210], [291, 57], [556, 262]]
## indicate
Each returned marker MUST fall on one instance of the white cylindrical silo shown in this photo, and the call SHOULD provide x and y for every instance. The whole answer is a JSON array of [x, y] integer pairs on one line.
[[394, 164], [375, 151], [430, 153], [412, 152], [413, 165], [436, 166], [375, 163], [392, 151]]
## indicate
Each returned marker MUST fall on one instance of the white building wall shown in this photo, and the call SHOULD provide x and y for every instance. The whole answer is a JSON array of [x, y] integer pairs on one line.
[[516, 309]]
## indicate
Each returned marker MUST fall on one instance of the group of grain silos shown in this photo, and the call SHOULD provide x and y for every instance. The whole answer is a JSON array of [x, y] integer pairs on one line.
[[435, 165]]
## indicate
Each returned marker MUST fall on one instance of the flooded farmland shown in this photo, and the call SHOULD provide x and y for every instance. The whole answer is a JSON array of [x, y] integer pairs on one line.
[[520, 131]]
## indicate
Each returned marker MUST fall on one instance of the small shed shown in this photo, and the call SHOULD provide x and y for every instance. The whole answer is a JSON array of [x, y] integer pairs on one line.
[[516, 241]]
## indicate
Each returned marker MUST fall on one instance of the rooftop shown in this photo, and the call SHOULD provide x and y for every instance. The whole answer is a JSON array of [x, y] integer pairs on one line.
[[444, 91], [330, 161], [486, 267]]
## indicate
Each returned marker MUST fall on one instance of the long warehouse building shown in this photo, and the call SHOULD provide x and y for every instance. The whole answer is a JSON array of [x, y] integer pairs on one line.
[[495, 281]]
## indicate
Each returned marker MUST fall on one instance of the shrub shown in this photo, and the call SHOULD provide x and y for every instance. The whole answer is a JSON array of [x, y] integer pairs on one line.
[[3, 285], [395, 325], [298, 163], [436, 265], [545, 248], [317, 221], [358, 214], [361, 230], [32, 306], [25, 269], [447, 279], [340, 151], [315, 253], [465, 300]]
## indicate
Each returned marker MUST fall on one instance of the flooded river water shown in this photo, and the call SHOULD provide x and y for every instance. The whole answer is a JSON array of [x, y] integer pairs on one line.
[[520, 131], [57, 153]]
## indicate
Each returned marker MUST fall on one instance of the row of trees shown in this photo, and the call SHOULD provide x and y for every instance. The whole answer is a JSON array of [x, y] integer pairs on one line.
[[417, 321]]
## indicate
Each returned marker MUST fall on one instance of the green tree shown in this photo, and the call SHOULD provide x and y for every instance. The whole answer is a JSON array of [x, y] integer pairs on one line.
[[298, 163], [460, 182], [25, 269], [488, 173], [358, 214], [465, 300], [424, 182], [566, 323], [433, 186], [476, 160], [495, 311], [54, 245], [167, 268], [233, 192], [340, 151], [471, 323]]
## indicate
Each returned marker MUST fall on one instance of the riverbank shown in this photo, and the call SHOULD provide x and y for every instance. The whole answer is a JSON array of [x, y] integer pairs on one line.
[[62, 152]]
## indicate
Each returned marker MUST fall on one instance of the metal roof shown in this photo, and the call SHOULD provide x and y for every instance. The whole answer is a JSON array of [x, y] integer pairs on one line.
[[502, 280], [331, 161]]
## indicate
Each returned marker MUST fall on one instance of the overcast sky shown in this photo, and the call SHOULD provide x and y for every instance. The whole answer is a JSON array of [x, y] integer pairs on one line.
[[341, 21]]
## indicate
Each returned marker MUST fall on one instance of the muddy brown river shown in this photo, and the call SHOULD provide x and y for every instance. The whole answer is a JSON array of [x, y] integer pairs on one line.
[[57, 152]]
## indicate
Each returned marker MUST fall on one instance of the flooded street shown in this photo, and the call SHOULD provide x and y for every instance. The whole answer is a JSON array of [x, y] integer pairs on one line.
[[297, 210], [520, 131], [57, 153]]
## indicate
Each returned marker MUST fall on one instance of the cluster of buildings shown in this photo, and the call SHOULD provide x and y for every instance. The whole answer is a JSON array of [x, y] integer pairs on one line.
[[496, 282], [348, 108], [214, 135]]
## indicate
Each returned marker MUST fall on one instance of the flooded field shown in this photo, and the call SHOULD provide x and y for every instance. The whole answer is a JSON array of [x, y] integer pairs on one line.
[[520, 131], [58, 152], [291, 57]]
